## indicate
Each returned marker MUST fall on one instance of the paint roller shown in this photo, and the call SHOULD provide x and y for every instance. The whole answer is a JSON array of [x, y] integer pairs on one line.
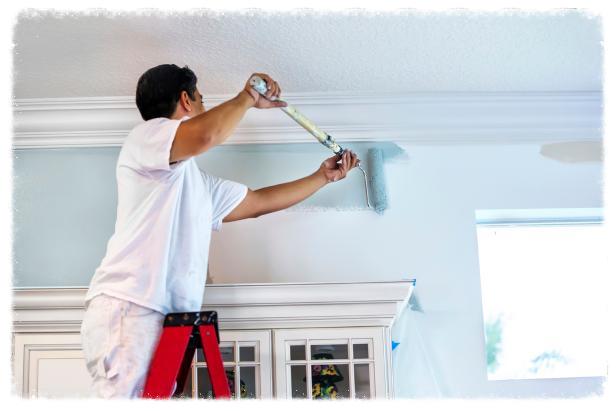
[[374, 185]]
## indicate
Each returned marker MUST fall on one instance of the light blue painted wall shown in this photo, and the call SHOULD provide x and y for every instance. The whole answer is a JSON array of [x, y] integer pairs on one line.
[[65, 204], [64, 208], [65, 201]]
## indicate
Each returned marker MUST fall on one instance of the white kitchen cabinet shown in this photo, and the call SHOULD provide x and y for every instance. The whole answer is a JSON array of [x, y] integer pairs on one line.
[[292, 340]]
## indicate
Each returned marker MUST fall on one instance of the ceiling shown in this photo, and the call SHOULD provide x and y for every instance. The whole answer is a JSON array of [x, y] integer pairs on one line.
[[103, 53]]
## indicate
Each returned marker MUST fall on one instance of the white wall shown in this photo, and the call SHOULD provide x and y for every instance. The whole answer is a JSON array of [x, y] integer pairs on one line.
[[428, 234]]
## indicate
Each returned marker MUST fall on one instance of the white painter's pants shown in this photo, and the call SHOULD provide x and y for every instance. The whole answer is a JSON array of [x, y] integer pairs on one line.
[[119, 339]]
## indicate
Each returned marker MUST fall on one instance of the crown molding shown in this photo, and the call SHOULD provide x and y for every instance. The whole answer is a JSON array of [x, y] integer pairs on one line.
[[419, 118], [239, 306]]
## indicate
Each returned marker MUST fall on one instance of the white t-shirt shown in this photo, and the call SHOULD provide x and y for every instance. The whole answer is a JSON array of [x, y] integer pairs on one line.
[[157, 256]]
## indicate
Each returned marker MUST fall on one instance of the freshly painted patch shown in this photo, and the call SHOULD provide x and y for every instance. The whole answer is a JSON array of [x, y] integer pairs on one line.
[[262, 165]]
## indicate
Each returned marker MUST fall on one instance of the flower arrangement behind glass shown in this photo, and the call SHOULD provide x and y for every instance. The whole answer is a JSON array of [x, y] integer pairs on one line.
[[324, 378]]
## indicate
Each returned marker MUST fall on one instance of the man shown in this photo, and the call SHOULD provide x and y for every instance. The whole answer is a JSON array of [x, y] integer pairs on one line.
[[156, 260]]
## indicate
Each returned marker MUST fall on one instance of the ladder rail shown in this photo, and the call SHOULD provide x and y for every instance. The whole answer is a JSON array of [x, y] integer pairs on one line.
[[182, 334]]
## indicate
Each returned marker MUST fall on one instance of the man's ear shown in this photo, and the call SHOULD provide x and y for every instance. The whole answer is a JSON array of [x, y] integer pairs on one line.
[[185, 101]]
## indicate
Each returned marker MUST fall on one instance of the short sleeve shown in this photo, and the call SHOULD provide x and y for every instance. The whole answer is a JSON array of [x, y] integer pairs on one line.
[[226, 195], [151, 144]]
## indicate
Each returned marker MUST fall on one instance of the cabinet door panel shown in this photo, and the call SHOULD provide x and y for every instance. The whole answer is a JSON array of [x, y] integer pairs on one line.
[[331, 363], [58, 374], [247, 357], [50, 365]]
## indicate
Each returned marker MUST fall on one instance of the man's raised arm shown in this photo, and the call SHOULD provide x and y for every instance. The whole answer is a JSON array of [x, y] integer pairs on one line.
[[211, 128], [279, 197]]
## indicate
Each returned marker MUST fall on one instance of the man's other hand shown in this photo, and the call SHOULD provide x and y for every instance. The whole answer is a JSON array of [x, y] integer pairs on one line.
[[336, 168]]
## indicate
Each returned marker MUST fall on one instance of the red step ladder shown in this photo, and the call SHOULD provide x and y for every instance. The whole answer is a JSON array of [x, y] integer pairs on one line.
[[182, 334]]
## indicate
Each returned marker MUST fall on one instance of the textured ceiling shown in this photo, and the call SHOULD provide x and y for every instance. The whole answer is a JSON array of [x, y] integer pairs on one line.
[[88, 55]]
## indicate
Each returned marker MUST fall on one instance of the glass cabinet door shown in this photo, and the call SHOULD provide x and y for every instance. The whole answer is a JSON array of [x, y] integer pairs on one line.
[[246, 356], [334, 363]]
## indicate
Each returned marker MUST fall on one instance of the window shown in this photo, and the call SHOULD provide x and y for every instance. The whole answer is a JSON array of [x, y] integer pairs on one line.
[[543, 281]]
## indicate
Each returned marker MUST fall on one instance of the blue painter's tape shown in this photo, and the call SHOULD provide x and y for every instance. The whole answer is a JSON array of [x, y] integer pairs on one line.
[[394, 345]]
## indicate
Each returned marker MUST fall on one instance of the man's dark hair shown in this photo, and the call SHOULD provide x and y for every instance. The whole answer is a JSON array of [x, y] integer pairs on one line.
[[159, 89]]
